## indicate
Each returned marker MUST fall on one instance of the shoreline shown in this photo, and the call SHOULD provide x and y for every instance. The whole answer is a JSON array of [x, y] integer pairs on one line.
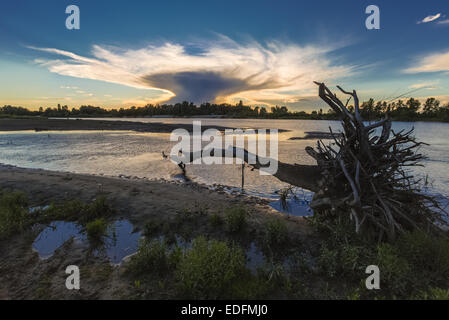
[[43, 124], [136, 200]]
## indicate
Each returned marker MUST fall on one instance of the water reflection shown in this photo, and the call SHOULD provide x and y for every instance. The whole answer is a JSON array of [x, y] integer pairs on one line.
[[140, 154], [120, 242]]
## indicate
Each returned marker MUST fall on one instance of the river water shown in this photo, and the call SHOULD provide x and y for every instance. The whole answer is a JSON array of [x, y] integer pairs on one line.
[[139, 154]]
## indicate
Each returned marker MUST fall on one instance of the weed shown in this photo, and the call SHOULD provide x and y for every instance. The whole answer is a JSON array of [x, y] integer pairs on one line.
[[215, 220], [209, 269], [14, 216], [276, 232], [235, 219], [96, 229]]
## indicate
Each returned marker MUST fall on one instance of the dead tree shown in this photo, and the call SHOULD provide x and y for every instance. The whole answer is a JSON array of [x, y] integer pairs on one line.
[[364, 174]]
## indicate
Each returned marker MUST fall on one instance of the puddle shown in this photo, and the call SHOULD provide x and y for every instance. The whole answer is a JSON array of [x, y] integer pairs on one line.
[[118, 244], [121, 241], [255, 257], [295, 207], [54, 236]]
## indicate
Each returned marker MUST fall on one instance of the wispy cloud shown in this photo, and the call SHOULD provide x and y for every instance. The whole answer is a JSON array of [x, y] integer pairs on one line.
[[443, 22], [222, 70], [430, 85], [430, 18], [435, 62]]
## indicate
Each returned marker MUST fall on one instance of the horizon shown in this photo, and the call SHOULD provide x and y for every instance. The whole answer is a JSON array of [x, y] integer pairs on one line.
[[264, 54]]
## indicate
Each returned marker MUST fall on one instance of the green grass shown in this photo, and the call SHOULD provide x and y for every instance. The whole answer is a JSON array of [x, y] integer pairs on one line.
[[96, 230], [215, 220], [209, 269], [14, 216], [76, 210], [276, 233], [153, 258], [235, 219]]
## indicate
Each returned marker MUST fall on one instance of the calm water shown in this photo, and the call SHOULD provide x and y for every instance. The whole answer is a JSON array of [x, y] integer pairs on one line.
[[139, 154], [119, 243]]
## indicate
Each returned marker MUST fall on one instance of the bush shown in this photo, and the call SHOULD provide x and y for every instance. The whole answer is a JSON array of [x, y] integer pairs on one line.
[[209, 270], [77, 210], [428, 255], [14, 216], [154, 258], [215, 220], [434, 294], [276, 232], [235, 219], [151, 228], [96, 229], [395, 270], [68, 210], [98, 208]]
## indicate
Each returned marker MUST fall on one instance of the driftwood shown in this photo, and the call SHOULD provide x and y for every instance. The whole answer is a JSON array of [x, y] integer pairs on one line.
[[363, 175]]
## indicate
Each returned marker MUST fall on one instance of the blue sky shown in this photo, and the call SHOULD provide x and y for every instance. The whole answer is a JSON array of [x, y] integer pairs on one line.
[[262, 52]]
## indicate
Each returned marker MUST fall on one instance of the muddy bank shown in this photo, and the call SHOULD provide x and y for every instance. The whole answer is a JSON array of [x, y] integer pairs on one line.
[[24, 275], [43, 124], [316, 135]]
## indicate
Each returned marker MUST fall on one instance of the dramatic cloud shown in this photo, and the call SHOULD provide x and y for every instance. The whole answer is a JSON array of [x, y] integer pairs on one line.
[[431, 63], [430, 18], [221, 70]]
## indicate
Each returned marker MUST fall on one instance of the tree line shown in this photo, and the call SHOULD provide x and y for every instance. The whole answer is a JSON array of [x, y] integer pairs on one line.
[[400, 110]]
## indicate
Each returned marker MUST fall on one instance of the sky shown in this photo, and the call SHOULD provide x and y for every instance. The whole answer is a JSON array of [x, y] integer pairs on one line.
[[264, 53]]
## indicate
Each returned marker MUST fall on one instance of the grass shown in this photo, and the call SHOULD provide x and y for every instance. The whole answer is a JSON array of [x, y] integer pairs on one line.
[[330, 266], [76, 210], [215, 220], [14, 216], [96, 230], [414, 266], [276, 233], [153, 258], [235, 219], [209, 269]]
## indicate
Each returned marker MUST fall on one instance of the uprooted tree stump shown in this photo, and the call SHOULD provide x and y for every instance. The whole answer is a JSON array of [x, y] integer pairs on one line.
[[364, 175]]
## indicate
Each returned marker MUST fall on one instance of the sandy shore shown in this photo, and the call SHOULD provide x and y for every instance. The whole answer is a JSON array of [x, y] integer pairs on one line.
[[43, 124], [138, 200]]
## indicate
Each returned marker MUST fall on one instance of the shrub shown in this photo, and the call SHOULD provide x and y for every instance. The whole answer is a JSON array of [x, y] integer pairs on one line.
[[151, 228], [235, 219], [96, 229], [14, 216], [215, 220], [77, 210], [68, 210], [98, 208], [209, 270], [394, 269], [276, 232], [434, 294], [428, 255], [153, 258]]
